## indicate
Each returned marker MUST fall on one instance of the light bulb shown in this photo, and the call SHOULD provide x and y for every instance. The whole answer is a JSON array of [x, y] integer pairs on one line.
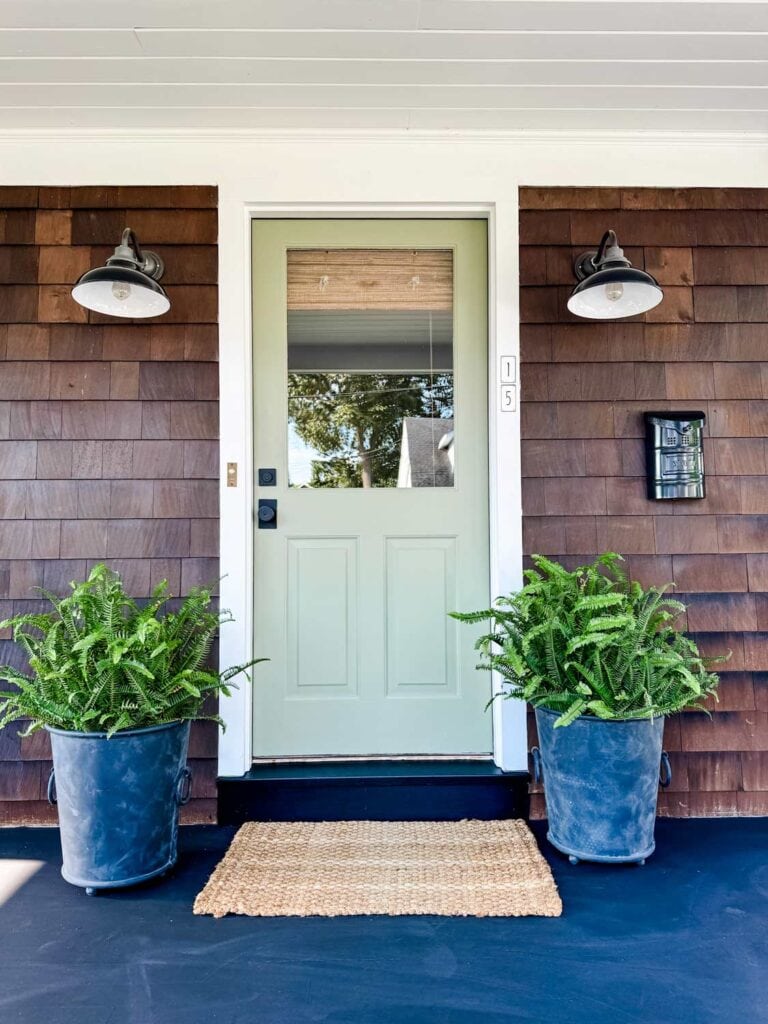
[[122, 290], [614, 291]]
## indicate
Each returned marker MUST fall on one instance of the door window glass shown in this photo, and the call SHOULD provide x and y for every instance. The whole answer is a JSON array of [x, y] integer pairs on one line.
[[370, 368]]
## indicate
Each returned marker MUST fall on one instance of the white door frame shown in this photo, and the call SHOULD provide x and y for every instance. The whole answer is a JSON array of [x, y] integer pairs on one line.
[[236, 424]]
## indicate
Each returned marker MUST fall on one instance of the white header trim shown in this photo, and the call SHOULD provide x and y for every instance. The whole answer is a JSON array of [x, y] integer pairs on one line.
[[518, 137]]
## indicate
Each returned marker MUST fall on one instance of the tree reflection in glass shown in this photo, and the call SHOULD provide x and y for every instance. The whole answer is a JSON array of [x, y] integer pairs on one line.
[[351, 424]]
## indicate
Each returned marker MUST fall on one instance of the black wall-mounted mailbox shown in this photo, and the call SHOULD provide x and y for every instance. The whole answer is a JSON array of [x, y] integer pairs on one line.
[[674, 454]]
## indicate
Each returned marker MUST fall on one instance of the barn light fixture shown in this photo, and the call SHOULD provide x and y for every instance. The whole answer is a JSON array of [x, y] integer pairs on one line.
[[127, 286], [609, 286]]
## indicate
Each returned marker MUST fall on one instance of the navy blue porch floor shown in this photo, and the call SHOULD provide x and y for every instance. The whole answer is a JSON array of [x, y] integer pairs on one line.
[[684, 939]]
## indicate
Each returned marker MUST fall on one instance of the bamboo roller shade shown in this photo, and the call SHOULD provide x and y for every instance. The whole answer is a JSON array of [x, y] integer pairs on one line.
[[370, 279]]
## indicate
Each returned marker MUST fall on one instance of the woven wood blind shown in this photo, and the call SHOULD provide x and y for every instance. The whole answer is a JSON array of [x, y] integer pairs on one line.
[[370, 279]]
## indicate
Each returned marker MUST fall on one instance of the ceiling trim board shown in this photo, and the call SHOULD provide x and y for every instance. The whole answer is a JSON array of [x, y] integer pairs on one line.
[[533, 137]]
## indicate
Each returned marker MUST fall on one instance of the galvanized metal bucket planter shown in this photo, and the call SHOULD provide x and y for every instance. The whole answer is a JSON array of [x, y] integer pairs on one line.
[[601, 782], [118, 802]]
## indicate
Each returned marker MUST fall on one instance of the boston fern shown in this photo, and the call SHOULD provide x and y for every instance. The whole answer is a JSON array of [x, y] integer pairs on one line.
[[592, 642], [101, 662]]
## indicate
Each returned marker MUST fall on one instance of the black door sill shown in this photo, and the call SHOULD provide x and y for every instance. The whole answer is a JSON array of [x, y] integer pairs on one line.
[[373, 791]]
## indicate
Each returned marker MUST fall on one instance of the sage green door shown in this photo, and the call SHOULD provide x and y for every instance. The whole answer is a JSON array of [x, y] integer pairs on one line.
[[370, 407]]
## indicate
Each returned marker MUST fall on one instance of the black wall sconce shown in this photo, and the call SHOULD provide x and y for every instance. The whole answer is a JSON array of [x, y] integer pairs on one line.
[[127, 285], [609, 286]]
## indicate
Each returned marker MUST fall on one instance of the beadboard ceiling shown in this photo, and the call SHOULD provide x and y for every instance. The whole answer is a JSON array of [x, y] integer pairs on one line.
[[384, 65]]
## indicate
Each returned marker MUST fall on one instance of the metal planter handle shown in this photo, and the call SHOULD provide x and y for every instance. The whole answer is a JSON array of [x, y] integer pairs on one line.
[[665, 770], [538, 771], [52, 789], [183, 787]]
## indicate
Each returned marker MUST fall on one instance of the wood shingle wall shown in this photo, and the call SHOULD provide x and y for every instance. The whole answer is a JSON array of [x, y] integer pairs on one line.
[[585, 386], [108, 428]]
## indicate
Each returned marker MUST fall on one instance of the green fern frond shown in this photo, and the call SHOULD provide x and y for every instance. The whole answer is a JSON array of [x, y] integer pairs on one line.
[[99, 661], [592, 641]]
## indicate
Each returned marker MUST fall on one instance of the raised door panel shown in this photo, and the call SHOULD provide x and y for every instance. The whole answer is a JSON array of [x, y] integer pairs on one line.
[[321, 620], [421, 638]]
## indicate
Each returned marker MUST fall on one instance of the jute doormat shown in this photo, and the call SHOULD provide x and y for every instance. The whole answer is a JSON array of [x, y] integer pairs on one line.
[[338, 868]]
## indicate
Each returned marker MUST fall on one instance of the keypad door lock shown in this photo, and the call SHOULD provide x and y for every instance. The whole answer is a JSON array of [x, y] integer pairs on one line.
[[267, 514]]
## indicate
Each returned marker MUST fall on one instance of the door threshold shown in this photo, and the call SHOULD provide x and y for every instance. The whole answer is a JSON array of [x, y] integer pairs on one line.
[[368, 758]]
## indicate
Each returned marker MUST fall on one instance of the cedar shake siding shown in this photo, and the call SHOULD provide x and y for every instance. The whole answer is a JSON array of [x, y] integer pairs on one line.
[[585, 386], [108, 428]]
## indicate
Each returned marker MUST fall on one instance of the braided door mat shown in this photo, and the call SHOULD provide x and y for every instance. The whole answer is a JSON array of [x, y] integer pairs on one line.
[[339, 868]]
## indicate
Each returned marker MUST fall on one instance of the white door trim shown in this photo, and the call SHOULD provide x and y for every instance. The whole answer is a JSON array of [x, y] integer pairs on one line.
[[236, 424]]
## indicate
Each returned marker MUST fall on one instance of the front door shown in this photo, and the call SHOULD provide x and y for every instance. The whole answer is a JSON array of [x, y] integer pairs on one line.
[[371, 448]]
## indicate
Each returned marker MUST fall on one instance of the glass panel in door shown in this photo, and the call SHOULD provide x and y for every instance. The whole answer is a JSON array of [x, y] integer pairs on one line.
[[370, 368]]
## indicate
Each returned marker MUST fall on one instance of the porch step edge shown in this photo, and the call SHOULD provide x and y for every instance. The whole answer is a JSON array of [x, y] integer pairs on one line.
[[378, 791]]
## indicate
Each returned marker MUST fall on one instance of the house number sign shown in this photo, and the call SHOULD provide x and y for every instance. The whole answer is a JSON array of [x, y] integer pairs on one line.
[[508, 383]]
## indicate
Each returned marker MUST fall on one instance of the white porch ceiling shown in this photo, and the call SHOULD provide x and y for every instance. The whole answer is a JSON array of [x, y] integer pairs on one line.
[[384, 65]]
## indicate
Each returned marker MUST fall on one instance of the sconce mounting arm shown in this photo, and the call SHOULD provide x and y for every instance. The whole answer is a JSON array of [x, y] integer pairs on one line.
[[129, 253], [608, 254]]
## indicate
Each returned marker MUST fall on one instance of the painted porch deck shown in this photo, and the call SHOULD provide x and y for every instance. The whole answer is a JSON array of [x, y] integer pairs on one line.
[[683, 939]]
